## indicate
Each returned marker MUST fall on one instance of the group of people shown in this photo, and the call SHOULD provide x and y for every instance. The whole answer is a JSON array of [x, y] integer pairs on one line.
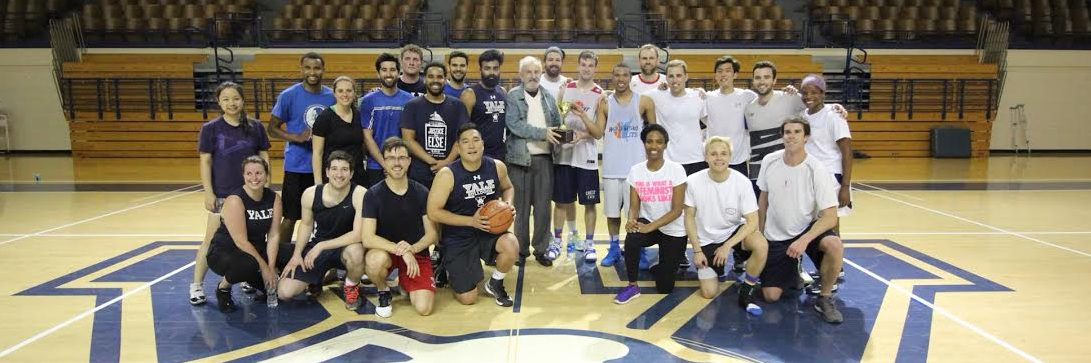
[[750, 175]]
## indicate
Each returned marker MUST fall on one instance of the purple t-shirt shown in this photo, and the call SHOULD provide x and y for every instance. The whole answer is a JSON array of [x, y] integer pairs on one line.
[[229, 146]]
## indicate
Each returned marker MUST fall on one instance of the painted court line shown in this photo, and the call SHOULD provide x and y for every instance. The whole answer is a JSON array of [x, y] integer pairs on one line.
[[946, 314], [153, 196], [998, 229], [95, 218], [90, 312], [888, 191]]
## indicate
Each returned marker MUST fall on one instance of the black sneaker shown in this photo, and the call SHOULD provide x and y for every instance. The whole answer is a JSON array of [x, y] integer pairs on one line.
[[684, 265], [746, 294], [543, 260], [223, 300], [739, 258], [384, 310], [496, 288], [440, 276], [246, 288], [314, 290], [826, 307]]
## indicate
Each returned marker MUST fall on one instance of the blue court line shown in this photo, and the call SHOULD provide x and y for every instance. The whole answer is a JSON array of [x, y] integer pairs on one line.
[[519, 288]]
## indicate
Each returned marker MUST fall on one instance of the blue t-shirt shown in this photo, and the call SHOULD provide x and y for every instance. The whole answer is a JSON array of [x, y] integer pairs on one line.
[[298, 109], [453, 92], [382, 115], [229, 146]]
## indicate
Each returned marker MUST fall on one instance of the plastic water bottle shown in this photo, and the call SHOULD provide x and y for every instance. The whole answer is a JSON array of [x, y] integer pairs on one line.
[[37, 178], [271, 299]]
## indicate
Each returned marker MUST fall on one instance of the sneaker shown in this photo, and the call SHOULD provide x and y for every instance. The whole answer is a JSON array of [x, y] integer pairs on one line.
[[352, 297], [543, 260], [246, 288], [384, 310], [685, 264], [627, 294], [816, 288], [590, 256], [746, 295], [440, 276], [826, 307], [613, 255], [366, 281], [645, 263], [223, 300], [738, 267], [496, 288], [313, 290], [553, 251], [196, 294]]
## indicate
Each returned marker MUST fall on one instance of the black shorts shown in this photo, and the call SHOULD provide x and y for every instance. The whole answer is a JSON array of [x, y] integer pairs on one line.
[[462, 259], [742, 167], [694, 167], [783, 271], [710, 252], [291, 193], [572, 183], [328, 259], [372, 177]]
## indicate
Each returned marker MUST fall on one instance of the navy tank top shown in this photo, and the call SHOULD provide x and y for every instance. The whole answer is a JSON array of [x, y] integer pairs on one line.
[[331, 222], [488, 115], [471, 190]]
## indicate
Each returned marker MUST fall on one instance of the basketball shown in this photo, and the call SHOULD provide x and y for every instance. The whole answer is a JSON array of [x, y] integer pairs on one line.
[[499, 214]]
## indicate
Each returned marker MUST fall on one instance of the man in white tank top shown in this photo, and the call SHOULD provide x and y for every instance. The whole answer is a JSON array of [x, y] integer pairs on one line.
[[622, 115], [551, 79], [648, 79], [576, 168]]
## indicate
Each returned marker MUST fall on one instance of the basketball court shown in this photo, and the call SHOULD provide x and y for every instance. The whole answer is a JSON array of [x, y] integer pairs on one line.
[[946, 260]]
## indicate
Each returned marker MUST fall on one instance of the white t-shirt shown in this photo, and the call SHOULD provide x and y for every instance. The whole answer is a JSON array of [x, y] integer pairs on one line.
[[584, 151], [726, 118], [656, 190], [681, 116], [721, 206], [640, 87], [827, 127], [796, 194], [552, 87]]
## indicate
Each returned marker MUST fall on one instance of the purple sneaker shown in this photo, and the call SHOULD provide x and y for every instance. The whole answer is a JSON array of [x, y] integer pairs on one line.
[[627, 294]]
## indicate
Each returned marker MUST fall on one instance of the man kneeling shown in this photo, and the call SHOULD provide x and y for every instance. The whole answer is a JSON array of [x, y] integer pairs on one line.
[[721, 212], [397, 232]]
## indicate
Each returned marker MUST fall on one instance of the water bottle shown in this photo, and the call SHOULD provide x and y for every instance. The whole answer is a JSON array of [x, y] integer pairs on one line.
[[37, 178], [271, 299]]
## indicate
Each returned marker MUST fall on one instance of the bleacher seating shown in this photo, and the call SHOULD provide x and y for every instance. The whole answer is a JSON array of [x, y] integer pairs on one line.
[[724, 20], [533, 21], [899, 20], [1043, 18], [341, 20], [154, 20], [24, 18]]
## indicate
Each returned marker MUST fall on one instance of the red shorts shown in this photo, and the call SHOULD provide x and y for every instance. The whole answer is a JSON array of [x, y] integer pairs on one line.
[[423, 281]]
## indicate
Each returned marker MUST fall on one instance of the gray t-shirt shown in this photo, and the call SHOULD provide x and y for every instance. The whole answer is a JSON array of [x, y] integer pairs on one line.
[[763, 123]]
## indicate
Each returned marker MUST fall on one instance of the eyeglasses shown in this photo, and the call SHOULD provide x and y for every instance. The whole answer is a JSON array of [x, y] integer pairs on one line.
[[400, 159]]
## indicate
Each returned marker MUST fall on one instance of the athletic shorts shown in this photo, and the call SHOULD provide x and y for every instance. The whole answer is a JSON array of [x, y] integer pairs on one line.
[[328, 259], [710, 252], [783, 271], [462, 259], [423, 281], [291, 193], [616, 195], [570, 183], [694, 167]]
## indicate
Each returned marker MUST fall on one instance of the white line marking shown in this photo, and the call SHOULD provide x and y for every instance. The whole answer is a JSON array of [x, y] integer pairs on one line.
[[888, 191], [94, 218], [998, 229], [961, 233], [87, 313], [164, 193], [104, 235], [946, 314]]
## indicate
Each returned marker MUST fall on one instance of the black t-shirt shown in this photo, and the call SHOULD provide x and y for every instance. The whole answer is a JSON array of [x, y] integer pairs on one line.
[[397, 217], [340, 135], [259, 218], [415, 89], [435, 125]]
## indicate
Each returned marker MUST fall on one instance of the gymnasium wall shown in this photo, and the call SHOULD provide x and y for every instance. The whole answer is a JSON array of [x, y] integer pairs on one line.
[[1052, 84], [30, 97]]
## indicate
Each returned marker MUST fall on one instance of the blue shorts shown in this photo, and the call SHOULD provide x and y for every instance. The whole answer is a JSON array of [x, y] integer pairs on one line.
[[570, 183]]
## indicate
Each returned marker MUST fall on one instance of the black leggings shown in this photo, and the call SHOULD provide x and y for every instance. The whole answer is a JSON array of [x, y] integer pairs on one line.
[[671, 250], [237, 266]]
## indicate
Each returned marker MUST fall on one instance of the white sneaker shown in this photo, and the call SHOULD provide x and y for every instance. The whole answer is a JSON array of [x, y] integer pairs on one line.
[[591, 256], [196, 294]]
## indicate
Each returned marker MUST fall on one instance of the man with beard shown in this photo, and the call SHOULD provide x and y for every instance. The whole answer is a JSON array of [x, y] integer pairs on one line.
[[648, 79], [410, 81], [552, 80], [456, 62], [428, 126], [296, 108], [380, 112], [485, 102]]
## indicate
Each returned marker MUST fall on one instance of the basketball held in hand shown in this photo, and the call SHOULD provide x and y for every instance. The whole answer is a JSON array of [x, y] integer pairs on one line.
[[499, 215]]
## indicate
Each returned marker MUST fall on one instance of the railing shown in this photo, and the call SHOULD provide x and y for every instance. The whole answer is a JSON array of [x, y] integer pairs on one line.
[[158, 97]]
